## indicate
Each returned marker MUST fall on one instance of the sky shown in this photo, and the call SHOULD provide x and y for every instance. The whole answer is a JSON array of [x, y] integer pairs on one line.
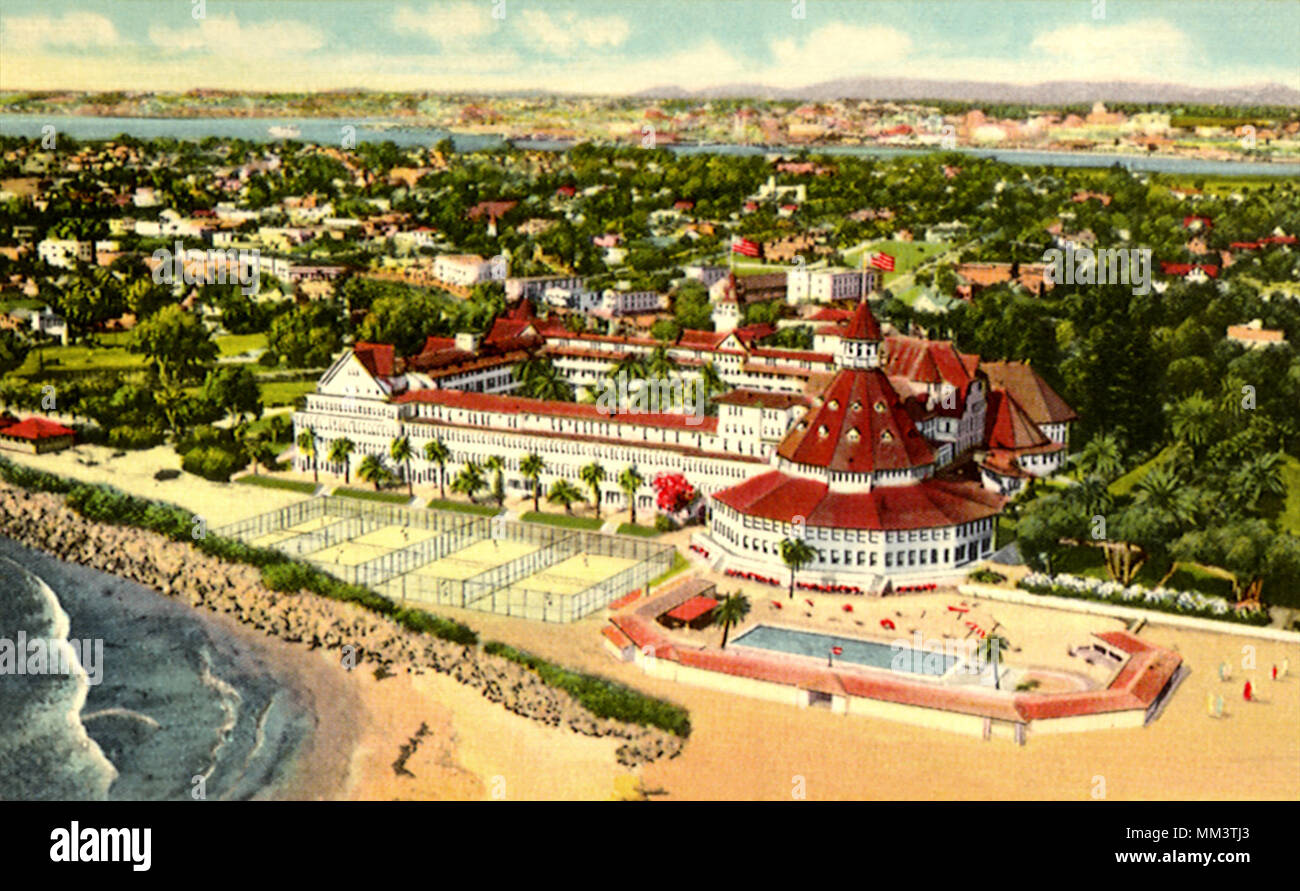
[[623, 46]]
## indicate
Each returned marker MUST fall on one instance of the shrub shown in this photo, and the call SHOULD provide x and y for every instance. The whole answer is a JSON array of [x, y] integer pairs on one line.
[[664, 523], [212, 463], [134, 437], [601, 697], [33, 480], [987, 576]]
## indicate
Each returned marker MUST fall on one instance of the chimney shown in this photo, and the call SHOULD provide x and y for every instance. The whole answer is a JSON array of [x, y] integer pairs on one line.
[[467, 341]]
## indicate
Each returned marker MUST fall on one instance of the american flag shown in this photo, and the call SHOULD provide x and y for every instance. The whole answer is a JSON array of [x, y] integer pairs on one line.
[[883, 261], [745, 246]]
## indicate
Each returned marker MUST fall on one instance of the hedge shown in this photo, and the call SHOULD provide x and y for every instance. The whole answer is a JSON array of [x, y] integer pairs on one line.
[[1182, 603], [603, 698]]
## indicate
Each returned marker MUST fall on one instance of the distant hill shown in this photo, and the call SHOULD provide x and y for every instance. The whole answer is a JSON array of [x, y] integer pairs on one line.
[[1063, 92]]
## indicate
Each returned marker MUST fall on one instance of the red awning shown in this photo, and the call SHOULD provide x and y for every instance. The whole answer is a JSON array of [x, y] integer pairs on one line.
[[693, 609]]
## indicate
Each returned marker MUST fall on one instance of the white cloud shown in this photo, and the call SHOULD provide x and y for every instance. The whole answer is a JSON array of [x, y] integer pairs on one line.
[[78, 30], [445, 24], [226, 36], [835, 51], [561, 34]]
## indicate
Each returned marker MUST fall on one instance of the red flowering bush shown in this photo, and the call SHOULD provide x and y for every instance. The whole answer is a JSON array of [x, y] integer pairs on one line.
[[673, 493]]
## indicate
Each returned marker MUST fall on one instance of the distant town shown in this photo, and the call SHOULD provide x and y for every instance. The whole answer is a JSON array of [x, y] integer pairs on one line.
[[1199, 131]]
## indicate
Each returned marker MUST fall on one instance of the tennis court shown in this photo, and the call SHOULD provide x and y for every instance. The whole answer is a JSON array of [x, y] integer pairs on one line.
[[394, 537], [575, 574], [477, 558]]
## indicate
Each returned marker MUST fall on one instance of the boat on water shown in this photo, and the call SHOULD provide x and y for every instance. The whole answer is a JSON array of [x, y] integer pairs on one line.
[[284, 132]]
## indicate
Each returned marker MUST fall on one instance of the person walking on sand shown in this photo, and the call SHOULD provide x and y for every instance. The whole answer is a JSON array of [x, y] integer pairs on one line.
[[1246, 691], [1286, 663], [1275, 671], [1218, 705], [1209, 704]]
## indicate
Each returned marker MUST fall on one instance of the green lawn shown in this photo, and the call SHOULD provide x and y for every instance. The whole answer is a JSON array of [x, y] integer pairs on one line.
[[565, 520], [370, 495], [1125, 483], [234, 344], [109, 352], [1290, 516], [907, 255], [285, 392], [271, 482], [638, 529], [679, 563], [482, 510]]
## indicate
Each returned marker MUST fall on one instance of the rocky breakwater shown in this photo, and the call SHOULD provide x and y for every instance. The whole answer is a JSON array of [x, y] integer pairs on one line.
[[43, 522]]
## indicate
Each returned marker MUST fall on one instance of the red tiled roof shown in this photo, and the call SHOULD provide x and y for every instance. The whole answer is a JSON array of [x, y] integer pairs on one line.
[[616, 637], [1008, 426], [925, 504], [1033, 394], [928, 361], [693, 609], [494, 402], [35, 429], [863, 325], [376, 357], [859, 426], [761, 398]]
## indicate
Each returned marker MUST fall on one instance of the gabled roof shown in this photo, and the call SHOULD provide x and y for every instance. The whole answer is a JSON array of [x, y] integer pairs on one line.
[[1039, 401], [1008, 426], [857, 425], [376, 357], [929, 361]]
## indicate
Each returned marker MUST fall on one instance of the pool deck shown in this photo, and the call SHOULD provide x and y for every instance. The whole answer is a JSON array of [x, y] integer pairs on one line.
[[1135, 687]]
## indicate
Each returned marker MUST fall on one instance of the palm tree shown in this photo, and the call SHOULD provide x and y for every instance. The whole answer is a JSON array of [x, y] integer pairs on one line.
[[436, 452], [710, 380], [469, 481], [540, 379], [401, 452], [731, 611], [496, 466], [278, 425], [262, 452], [593, 475], [1101, 457], [1192, 420], [988, 650], [629, 481], [661, 365], [372, 470], [1257, 477], [796, 554], [564, 493], [341, 453], [1164, 491], [532, 466], [307, 446]]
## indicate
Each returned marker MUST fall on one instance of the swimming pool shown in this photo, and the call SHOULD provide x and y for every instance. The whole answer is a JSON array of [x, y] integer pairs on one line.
[[895, 657]]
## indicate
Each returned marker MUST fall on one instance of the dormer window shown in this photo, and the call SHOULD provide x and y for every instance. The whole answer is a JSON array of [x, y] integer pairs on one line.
[[835, 405], [823, 430], [886, 436], [803, 425], [856, 406], [880, 407], [854, 435]]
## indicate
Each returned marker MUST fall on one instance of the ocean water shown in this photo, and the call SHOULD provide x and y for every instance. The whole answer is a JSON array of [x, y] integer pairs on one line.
[[177, 699], [327, 131]]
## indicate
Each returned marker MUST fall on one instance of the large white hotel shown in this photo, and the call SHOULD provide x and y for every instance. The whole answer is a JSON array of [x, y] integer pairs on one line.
[[890, 455]]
